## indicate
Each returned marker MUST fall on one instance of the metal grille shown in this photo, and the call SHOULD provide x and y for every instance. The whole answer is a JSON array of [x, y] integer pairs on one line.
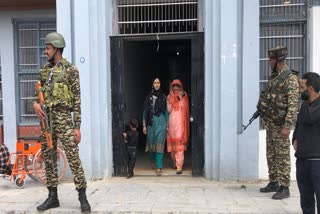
[[289, 30], [30, 57], [157, 16], [282, 10], [1, 99], [283, 23]]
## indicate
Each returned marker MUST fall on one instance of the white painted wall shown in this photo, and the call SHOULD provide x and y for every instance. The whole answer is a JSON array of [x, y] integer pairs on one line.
[[314, 57], [212, 27], [8, 68], [231, 89], [248, 141], [228, 89], [64, 26], [87, 25], [263, 167], [314, 35]]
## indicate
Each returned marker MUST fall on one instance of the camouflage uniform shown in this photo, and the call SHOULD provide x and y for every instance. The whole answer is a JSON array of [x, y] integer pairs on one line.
[[62, 99], [278, 105]]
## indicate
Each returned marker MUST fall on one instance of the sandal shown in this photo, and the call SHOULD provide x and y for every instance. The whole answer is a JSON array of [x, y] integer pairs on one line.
[[158, 172]]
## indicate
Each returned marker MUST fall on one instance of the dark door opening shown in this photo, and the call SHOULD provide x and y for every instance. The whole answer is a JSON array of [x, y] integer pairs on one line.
[[135, 61], [168, 59]]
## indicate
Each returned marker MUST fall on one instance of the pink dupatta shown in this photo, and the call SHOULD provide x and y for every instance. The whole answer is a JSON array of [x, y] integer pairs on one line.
[[178, 124]]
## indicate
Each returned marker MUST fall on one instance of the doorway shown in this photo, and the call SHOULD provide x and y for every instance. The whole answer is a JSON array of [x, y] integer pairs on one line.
[[134, 62]]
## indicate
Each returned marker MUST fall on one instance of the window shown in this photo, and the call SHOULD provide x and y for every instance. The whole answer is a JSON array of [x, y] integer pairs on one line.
[[156, 16], [29, 40], [283, 23]]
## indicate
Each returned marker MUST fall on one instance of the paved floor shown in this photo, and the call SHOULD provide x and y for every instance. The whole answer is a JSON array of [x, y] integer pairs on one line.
[[151, 194]]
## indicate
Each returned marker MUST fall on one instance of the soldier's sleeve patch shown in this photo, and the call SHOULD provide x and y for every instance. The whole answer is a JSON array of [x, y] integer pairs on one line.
[[293, 82]]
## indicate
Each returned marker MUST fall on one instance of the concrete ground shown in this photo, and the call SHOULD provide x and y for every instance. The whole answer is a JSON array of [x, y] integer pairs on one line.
[[151, 194]]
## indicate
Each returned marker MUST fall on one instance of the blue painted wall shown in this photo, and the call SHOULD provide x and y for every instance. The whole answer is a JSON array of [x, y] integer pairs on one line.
[[232, 77], [231, 83]]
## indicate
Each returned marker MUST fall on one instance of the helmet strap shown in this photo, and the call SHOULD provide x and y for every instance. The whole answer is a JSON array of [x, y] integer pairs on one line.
[[51, 60], [275, 67]]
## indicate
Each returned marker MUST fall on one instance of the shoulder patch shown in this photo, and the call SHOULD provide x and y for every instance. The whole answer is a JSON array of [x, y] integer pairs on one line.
[[45, 66], [72, 68]]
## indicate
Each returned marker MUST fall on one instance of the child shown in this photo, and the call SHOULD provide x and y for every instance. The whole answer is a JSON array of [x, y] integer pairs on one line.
[[4, 156], [131, 138]]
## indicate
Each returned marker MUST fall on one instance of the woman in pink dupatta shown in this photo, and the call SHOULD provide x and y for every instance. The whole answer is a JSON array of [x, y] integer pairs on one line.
[[178, 125]]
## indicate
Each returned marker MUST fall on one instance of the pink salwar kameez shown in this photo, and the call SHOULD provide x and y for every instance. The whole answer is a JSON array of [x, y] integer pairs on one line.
[[178, 124]]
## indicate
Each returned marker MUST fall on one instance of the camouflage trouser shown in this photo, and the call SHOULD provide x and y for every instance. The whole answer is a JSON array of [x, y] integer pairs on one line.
[[278, 155], [62, 129]]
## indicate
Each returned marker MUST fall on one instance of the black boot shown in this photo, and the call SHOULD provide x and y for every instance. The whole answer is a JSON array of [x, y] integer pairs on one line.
[[271, 187], [52, 200], [85, 206], [130, 174], [282, 193]]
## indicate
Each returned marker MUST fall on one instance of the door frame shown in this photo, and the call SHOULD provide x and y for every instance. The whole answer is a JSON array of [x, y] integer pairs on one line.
[[197, 102]]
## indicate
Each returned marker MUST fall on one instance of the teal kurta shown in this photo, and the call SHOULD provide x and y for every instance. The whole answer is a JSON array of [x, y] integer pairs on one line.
[[155, 117], [156, 134]]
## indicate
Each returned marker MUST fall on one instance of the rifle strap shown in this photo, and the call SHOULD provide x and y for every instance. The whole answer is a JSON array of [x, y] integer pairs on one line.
[[280, 80], [50, 121], [52, 81], [50, 77], [58, 77]]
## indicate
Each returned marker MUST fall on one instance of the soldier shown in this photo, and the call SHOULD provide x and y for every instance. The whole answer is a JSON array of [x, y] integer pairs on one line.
[[61, 88], [278, 106]]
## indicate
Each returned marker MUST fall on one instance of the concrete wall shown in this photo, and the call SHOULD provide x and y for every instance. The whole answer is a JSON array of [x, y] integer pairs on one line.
[[263, 168], [313, 40], [87, 25], [8, 68], [313, 58], [231, 83], [231, 70], [82, 23], [248, 142], [231, 89]]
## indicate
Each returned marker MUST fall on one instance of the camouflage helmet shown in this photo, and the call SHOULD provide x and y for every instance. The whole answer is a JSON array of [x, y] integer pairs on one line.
[[55, 39], [279, 53]]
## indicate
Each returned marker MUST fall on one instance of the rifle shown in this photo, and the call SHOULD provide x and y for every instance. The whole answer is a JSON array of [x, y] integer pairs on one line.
[[45, 122], [254, 116]]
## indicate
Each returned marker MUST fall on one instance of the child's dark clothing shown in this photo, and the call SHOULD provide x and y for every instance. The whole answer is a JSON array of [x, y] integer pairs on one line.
[[132, 142]]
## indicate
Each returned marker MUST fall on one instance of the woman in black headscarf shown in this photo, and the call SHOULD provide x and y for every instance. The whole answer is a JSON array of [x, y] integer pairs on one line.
[[155, 117]]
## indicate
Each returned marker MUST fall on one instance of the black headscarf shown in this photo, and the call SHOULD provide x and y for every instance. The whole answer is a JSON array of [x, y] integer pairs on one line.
[[160, 105]]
